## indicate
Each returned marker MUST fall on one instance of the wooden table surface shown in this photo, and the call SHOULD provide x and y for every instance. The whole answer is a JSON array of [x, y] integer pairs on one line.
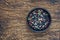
[[13, 15]]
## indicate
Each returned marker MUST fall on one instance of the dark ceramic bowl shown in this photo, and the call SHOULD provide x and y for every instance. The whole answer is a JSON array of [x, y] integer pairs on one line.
[[38, 19]]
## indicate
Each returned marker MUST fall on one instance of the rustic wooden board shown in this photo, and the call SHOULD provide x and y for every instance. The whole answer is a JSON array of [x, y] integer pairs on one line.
[[13, 15]]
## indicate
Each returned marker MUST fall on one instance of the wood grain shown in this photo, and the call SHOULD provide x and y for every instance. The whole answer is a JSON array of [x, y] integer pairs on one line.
[[13, 15]]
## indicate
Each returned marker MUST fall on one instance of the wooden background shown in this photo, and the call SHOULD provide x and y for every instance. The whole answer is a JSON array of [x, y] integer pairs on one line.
[[13, 15]]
